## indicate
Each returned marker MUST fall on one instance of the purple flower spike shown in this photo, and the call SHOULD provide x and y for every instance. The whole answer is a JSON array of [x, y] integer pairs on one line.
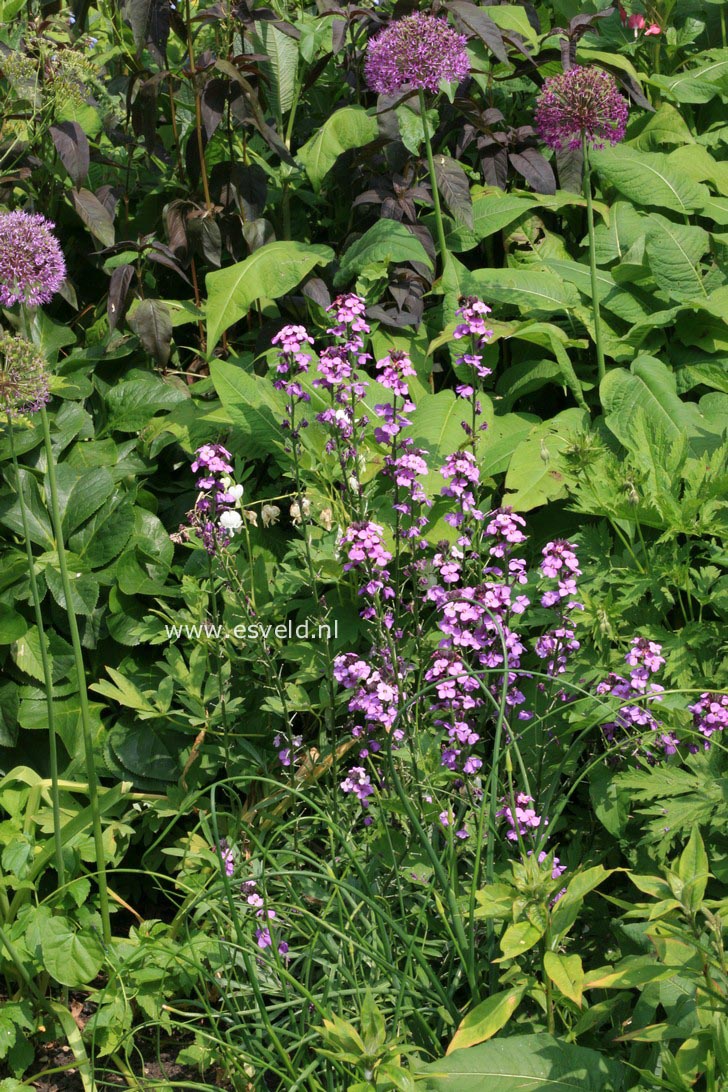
[[417, 51], [32, 267], [581, 102]]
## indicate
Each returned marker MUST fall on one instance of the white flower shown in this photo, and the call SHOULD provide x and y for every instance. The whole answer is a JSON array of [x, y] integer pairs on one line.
[[327, 517], [270, 514], [236, 492], [251, 516], [295, 514], [231, 522]]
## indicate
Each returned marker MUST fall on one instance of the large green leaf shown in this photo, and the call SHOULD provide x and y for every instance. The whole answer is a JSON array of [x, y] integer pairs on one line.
[[72, 957], [252, 403], [674, 252], [649, 386], [611, 297], [281, 67], [521, 1063], [614, 239], [350, 127], [536, 473], [492, 211], [699, 84], [528, 289], [387, 241], [269, 273], [648, 178]]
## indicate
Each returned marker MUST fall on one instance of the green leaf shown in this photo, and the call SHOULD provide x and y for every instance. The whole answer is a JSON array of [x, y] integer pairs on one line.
[[693, 871], [536, 473], [522, 1063], [269, 273], [133, 403], [519, 938], [252, 403], [281, 68], [666, 126], [486, 1019], [73, 957], [567, 973], [350, 127], [648, 178], [492, 212], [649, 386], [81, 494], [674, 252], [385, 242], [529, 290], [513, 17], [699, 84], [12, 626]]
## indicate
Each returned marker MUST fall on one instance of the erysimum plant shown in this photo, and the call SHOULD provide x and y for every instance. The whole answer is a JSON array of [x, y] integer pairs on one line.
[[582, 109]]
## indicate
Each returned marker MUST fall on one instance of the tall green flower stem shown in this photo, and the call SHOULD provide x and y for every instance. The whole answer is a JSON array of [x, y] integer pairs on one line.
[[593, 259], [45, 665], [433, 179], [91, 774]]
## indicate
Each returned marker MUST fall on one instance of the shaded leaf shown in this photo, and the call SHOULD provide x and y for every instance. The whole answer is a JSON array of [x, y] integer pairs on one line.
[[452, 183], [96, 218], [71, 144], [151, 322]]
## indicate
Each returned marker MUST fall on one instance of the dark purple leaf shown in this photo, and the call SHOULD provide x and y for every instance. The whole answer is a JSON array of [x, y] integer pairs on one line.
[[119, 286], [72, 146], [494, 165], [535, 169], [582, 23], [109, 198], [452, 183], [254, 111], [94, 215], [152, 324], [149, 21], [338, 34], [175, 224], [204, 232], [257, 233], [474, 20], [570, 165], [144, 112], [315, 288], [212, 104], [164, 259]]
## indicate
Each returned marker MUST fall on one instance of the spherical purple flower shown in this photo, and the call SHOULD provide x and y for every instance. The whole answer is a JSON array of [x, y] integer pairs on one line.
[[32, 268], [23, 376], [418, 51], [581, 102]]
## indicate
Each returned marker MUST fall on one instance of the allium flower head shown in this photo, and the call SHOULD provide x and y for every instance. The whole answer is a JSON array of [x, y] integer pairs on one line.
[[581, 102], [23, 376], [418, 51], [32, 268]]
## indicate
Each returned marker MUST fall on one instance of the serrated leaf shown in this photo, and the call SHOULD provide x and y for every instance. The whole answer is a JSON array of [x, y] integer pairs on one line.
[[73, 957], [282, 65]]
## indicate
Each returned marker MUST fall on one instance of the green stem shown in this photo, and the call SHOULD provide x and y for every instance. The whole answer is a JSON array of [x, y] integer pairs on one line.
[[433, 179], [45, 665], [93, 783], [593, 260]]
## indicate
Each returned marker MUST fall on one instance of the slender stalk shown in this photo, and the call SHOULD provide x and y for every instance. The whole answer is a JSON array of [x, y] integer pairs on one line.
[[593, 259], [433, 179], [45, 665], [92, 776]]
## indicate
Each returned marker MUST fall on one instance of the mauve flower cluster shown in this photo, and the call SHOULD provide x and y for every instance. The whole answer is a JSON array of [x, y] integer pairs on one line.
[[24, 379], [216, 498], [637, 693], [32, 267], [522, 818], [416, 51], [336, 374], [583, 102], [293, 362], [255, 901], [710, 714]]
